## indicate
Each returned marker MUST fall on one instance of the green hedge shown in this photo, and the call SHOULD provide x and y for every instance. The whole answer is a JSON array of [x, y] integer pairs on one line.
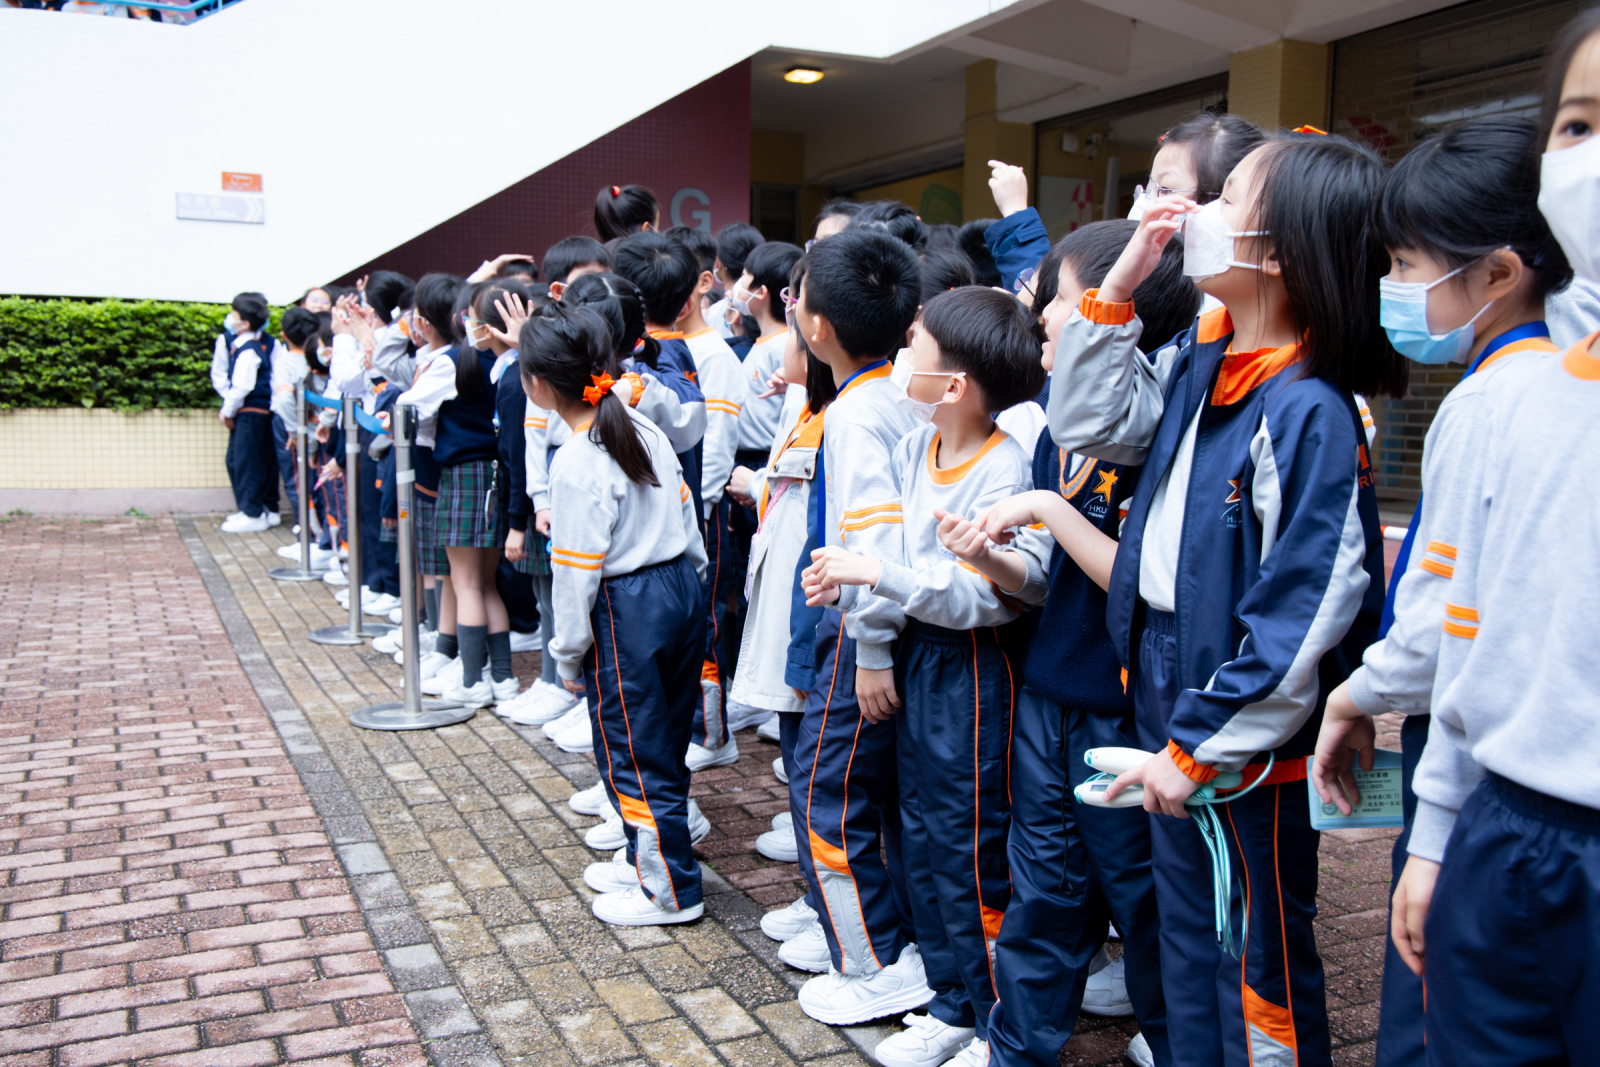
[[124, 355]]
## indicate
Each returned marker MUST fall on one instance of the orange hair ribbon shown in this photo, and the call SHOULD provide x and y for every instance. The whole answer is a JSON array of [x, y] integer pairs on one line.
[[1311, 129], [602, 385], [616, 190]]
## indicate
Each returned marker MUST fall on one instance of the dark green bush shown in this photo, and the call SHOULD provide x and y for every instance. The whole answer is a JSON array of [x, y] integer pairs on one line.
[[125, 355]]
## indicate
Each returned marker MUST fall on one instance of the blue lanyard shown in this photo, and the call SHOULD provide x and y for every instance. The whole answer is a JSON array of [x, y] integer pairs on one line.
[[869, 367], [1511, 336]]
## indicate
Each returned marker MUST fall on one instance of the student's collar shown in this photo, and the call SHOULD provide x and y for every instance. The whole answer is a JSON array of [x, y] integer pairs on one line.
[[779, 332], [501, 362], [697, 333], [1243, 371], [952, 475], [243, 337], [1534, 336], [880, 369], [667, 335]]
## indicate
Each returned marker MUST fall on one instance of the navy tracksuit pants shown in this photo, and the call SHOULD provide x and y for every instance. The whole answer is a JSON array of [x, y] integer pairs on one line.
[[846, 801], [380, 567], [788, 738], [1073, 868], [1400, 1017], [953, 736], [1270, 1010], [1514, 931], [642, 678], [253, 463], [723, 580]]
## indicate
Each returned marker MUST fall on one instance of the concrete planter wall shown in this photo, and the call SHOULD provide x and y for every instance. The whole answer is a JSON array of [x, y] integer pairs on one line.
[[94, 462]]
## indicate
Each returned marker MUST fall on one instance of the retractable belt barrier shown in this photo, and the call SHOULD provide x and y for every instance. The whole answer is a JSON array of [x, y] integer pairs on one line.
[[303, 572], [411, 712], [358, 629]]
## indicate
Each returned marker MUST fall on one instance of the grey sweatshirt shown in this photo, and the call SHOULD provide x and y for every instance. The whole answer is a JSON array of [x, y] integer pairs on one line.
[[1516, 692], [602, 525], [924, 580]]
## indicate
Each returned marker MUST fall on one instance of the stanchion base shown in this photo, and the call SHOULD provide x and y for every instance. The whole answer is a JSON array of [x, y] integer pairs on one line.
[[393, 716], [295, 574], [341, 635]]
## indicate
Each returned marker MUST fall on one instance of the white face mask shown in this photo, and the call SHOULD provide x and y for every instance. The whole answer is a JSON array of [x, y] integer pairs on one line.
[[233, 323], [1569, 198], [740, 301], [1208, 243], [472, 328], [1140, 202], [922, 410]]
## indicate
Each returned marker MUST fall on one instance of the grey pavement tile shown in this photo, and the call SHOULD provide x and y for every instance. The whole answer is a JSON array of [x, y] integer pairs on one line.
[[440, 1013]]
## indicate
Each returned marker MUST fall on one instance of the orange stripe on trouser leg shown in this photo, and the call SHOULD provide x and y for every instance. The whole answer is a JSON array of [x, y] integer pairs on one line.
[[830, 857], [708, 671], [991, 922], [1272, 1037], [636, 812]]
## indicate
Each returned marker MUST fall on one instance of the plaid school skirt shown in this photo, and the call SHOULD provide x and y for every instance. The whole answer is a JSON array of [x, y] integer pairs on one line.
[[430, 554], [537, 559], [468, 514]]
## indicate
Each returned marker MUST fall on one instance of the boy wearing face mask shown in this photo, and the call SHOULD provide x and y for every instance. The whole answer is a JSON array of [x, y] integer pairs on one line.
[[957, 644]]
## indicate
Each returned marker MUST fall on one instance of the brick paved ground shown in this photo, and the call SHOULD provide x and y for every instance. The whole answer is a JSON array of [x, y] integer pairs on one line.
[[453, 853]]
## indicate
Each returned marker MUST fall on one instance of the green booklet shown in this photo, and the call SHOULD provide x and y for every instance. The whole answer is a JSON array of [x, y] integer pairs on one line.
[[1380, 797]]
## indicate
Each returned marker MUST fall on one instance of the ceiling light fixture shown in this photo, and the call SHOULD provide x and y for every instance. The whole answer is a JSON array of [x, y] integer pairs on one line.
[[802, 75]]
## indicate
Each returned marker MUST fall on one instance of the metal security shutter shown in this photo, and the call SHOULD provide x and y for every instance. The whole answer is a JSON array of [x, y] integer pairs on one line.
[[1394, 86]]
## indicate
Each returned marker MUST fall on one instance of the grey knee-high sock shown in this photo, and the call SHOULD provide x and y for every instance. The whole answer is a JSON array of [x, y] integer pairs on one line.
[[430, 607], [474, 652], [446, 645], [500, 655]]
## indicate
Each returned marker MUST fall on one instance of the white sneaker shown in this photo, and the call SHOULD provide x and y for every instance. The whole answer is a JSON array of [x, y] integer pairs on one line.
[[390, 641], [399, 657], [525, 642], [779, 845], [925, 1042], [778, 771], [343, 596], [589, 801], [699, 825], [784, 820], [504, 688], [274, 518], [319, 556], [1139, 1052], [431, 663], [335, 576], [844, 999], [807, 950], [788, 922], [543, 702], [245, 524], [480, 695], [566, 721], [396, 616], [381, 605], [1111, 932], [974, 1055], [607, 836], [768, 731], [1107, 990], [611, 876], [579, 737], [445, 677], [743, 716], [233, 515], [633, 908], [701, 758]]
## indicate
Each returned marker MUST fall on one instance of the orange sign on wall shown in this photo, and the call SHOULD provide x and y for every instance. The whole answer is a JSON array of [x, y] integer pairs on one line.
[[234, 182]]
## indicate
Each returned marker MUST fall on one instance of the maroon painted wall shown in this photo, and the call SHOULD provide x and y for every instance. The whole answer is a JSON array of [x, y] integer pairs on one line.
[[698, 140]]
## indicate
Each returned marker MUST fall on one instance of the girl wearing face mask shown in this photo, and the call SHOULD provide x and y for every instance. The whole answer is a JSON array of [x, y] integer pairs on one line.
[[1502, 842], [1472, 262], [1249, 572]]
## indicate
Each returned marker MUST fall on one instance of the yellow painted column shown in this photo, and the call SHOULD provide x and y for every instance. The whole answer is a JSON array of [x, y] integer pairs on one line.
[[988, 138], [1280, 85]]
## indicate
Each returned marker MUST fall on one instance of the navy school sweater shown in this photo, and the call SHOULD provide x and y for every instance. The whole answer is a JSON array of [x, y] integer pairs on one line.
[[465, 430], [511, 405]]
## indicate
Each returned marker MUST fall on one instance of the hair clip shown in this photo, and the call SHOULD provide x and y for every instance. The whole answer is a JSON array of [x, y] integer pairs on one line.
[[593, 393], [616, 190], [1311, 129]]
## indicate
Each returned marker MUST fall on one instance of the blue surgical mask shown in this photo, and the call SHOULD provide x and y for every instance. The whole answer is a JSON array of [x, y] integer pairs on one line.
[[1403, 313]]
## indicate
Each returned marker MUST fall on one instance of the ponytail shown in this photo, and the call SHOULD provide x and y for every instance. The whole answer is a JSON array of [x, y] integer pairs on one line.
[[571, 348], [623, 209], [621, 305]]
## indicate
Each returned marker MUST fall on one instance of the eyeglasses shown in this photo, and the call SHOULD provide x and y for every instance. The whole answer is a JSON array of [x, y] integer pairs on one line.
[[789, 302], [1024, 282], [1155, 191]]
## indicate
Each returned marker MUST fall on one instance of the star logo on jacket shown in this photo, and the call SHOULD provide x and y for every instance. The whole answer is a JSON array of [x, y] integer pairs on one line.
[[1230, 509], [1108, 481]]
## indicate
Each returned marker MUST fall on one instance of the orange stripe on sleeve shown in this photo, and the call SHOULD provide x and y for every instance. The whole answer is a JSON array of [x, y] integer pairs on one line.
[[1456, 611], [1104, 312], [1439, 548], [1200, 772], [580, 566], [1455, 629], [574, 552], [1443, 570]]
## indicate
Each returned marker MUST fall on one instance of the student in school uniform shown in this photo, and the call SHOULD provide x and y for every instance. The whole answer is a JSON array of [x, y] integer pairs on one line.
[[621, 210], [455, 408], [721, 379], [1473, 266], [570, 257], [859, 297], [629, 562], [289, 368], [734, 244], [1075, 867], [247, 413], [929, 581]]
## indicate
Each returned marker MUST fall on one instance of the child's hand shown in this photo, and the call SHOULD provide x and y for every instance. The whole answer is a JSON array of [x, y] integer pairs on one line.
[[322, 435], [1010, 187], [1162, 219], [875, 694], [777, 385], [739, 485], [966, 539], [573, 685], [1000, 520], [1346, 731], [1166, 788], [225, 420], [515, 539], [832, 567], [1413, 894], [623, 390], [513, 314], [541, 521]]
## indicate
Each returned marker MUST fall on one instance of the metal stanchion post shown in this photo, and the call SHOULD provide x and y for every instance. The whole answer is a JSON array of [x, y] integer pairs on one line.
[[302, 573], [411, 712], [354, 632]]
